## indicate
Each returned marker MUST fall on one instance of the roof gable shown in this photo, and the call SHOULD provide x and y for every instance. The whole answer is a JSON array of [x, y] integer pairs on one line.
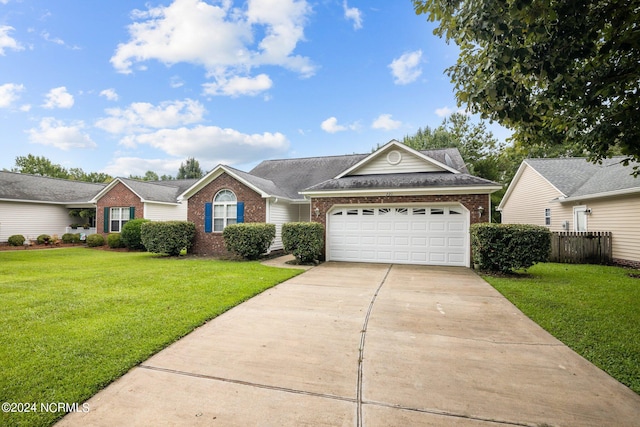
[[150, 191], [394, 158], [261, 186]]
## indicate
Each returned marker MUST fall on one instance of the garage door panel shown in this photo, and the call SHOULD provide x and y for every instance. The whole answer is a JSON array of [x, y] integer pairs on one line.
[[422, 235]]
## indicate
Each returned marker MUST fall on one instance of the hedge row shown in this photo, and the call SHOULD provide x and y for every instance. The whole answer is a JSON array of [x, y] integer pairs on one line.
[[249, 240], [167, 237], [304, 240], [508, 247]]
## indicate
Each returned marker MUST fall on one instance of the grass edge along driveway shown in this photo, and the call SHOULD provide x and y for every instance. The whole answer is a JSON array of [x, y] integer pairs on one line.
[[74, 320], [593, 309]]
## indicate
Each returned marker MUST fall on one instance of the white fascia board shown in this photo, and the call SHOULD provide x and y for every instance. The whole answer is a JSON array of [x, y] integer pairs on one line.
[[623, 192], [215, 173], [398, 145], [40, 202], [404, 191], [108, 188]]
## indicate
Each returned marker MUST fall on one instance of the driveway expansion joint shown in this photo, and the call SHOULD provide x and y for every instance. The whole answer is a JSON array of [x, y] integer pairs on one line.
[[248, 383]]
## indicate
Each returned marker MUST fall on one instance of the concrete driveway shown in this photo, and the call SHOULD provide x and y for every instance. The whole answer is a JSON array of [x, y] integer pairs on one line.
[[367, 344]]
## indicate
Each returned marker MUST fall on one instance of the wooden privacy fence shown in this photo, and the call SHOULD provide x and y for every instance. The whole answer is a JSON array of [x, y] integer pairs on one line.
[[581, 247]]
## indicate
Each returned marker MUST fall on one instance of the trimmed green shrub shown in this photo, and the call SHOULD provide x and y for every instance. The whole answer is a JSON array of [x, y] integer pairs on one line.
[[94, 240], [16, 240], [130, 234], [167, 237], [43, 239], [304, 240], [114, 241], [507, 247], [249, 240], [71, 238]]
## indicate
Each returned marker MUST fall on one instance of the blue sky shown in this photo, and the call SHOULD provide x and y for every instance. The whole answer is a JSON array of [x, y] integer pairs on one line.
[[124, 87]]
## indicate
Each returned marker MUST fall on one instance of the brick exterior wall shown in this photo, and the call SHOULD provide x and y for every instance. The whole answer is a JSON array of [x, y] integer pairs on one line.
[[255, 208], [118, 197], [469, 201]]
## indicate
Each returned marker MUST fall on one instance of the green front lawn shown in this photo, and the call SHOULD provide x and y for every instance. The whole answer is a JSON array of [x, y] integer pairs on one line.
[[73, 320], [593, 309]]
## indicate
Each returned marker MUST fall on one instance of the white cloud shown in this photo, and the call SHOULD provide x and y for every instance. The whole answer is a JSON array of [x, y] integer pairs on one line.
[[354, 14], [143, 116], [331, 126], [446, 111], [236, 86], [6, 41], [126, 166], [228, 42], [443, 112], [385, 122], [212, 144], [110, 94], [58, 98], [57, 134], [406, 69], [9, 93]]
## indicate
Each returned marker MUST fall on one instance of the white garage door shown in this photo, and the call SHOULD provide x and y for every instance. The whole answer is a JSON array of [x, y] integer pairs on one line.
[[436, 235]]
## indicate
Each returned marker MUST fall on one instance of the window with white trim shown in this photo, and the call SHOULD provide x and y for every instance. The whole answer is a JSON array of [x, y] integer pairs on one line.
[[225, 209], [118, 217], [547, 216]]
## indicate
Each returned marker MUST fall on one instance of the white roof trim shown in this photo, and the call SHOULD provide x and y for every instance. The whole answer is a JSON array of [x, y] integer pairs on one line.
[[390, 192], [515, 180], [215, 173], [400, 146], [108, 188], [614, 193]]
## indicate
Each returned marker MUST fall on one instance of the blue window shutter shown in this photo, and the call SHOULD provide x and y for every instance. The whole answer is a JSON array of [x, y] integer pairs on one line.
[[208, 217], [132, 212], [105, 224], [240, 212]]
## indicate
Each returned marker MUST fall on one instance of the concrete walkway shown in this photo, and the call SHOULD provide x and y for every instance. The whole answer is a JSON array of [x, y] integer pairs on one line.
[[372, 345]]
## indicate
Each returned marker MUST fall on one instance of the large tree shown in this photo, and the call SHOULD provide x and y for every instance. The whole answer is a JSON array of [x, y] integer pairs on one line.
[[40, 165], [557, 72], [190, 170]]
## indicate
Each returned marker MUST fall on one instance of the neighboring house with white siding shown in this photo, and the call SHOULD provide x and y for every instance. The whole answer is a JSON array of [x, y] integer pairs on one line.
[[31, 205], [572, 194]]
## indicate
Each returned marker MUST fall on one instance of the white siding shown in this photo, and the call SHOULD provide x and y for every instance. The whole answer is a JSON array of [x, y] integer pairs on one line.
[[160, 212], [529, 198], [281, 213], [409, 163], [32, 219], [620, 216]]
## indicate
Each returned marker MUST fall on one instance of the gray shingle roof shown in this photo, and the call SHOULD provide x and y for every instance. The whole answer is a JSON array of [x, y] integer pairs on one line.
[[159, 191], [401, 181], [576, 177], [291, 176], [18, 186]]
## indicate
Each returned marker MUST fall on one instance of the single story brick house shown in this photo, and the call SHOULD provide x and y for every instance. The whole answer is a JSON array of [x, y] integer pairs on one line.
[[573, 194], [393, 205]]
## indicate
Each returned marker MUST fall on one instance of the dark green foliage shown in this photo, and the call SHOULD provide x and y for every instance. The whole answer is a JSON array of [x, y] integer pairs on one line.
[[71, 238], [114, 241], [508, 247], [561, 73], [16, 240], [304, 240], [190, 169], [43, 239], [130, 234], [94, 240], [249, 240], [167, 237]]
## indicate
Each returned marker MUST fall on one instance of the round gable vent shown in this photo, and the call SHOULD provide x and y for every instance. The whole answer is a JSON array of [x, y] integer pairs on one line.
[[394, 157]]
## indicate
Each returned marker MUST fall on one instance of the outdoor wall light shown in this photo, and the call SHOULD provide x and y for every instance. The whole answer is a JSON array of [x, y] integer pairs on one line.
[[317, 212], [480, 210]]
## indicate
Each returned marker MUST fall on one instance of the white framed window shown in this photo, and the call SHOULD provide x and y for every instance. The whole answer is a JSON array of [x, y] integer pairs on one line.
[[117, 218], [547, 216], [225, 209]]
